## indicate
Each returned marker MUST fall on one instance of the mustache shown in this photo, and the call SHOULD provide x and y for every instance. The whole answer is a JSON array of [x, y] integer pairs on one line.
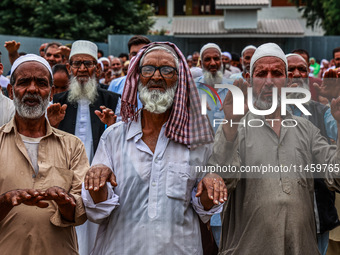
[[158, 83], [32, 96]]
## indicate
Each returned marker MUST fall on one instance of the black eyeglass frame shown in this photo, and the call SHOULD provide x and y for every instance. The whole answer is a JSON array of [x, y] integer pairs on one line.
[[160, 71], [85, 62]]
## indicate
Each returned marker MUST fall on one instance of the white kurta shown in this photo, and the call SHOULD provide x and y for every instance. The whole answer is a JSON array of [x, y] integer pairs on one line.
[[7, 109], [156, 194]]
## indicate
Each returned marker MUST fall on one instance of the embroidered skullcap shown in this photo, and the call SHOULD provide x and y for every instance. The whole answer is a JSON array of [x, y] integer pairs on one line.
[[268, 50], [84, 47], [209, 46], [247, 48], [227, 54], [30, 58]]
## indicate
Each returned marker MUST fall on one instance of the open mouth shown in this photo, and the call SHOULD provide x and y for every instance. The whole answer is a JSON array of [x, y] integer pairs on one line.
[[31, 101]]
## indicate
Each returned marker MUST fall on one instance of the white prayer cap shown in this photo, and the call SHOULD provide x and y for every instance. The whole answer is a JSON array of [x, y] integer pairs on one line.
[[227, 54], [104, 59], [247, 48], [268, 50], [84, 47], [209, 46], [29, 58], [101, 64], [296, 55]]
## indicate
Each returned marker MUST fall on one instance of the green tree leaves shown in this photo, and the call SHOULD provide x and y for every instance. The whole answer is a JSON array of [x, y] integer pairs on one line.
[[74, 19]]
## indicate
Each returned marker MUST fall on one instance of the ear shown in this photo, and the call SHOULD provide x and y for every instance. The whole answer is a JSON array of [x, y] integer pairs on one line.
[[1, 69], [68, 67], [98, 70], [248, 78], [290, 77], [52, 93], [10, 91], [241, 60]]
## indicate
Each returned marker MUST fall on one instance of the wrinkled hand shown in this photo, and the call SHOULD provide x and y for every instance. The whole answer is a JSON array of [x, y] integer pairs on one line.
[[56, 113], [30, 197], [108, 77], [64, 50], [330, 87], [107, 116], [97, 177], [335, 109], [212, 190], [12, 46], [60, 196]]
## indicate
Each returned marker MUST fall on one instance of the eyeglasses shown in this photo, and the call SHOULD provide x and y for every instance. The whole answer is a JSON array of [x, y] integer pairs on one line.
[[167, 72], [87, 64]]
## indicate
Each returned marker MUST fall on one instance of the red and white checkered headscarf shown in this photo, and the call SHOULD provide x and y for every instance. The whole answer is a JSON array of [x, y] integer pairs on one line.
[[186, 124]]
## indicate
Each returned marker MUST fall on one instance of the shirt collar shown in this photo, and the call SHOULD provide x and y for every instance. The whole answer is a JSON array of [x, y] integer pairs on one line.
[[11, 125]]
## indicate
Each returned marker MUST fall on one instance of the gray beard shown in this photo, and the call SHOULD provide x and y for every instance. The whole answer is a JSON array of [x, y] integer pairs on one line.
[[211, 79], [303, 84], [156, 101], [28, 112], [262, 104], [117, 72], [78, 91]]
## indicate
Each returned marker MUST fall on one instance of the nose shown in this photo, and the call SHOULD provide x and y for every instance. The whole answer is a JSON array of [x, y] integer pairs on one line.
[[296, 73], [157, 75], [32, 88]]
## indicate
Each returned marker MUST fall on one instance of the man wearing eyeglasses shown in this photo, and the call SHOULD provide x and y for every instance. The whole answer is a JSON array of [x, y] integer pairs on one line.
[[149, 159], [75, 110]]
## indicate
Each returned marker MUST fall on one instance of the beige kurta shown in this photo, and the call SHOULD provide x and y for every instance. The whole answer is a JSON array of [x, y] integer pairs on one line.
[[271, 215], [62, 162]]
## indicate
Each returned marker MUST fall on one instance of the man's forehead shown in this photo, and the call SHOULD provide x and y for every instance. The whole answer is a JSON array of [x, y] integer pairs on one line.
[[272, 60], [249, 52], [81, 57]]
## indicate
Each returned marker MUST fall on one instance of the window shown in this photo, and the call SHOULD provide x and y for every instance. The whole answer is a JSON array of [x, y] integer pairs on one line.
[[159, 5], [196, 7]]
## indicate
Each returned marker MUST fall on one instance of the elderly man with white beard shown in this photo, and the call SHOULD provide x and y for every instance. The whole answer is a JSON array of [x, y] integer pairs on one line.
[[150, 160], [78, 110], [271, 212], [326, 216], [41, 171], [212, 74]]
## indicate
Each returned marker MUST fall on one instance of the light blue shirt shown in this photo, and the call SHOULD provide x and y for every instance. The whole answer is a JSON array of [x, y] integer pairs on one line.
[[117, 86]]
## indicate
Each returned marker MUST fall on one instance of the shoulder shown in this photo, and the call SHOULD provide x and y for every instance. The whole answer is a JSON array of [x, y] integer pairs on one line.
[[107, 93], [60, 96]]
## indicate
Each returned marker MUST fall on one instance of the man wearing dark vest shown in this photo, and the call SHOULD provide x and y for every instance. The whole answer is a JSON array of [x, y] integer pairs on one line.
[[80, 105]]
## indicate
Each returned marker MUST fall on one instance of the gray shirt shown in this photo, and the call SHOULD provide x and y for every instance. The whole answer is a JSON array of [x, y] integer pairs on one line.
[[271, 214]]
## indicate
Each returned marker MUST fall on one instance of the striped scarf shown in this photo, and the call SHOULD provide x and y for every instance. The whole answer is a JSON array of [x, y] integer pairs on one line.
[[186, 124]]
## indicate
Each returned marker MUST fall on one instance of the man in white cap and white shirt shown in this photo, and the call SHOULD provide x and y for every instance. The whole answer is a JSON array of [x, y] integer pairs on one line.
[[271, 212], [228, 68], [245, 59], [42, 169], [83, 117]]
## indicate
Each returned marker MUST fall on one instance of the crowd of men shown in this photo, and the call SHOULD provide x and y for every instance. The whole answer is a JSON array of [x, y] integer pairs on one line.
[[119, 155]]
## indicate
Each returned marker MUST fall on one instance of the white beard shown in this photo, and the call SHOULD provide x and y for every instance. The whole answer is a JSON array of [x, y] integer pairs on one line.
[[303, 83], [156, 101], [28, 112], [262, 104], [78, 91], [117, 72], [211, 79]]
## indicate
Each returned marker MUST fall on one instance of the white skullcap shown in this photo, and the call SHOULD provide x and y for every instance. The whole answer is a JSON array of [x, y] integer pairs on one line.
[[104, 59], [268, 50], [296, 55], [84, 47], [101, 64], [247, 48], [209, 46], [227, 54], [29, 58]]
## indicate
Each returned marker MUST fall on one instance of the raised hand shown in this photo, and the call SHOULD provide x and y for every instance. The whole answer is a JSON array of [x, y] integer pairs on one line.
[[107, 116], [330, 87], [12, 46], [56, 113]]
